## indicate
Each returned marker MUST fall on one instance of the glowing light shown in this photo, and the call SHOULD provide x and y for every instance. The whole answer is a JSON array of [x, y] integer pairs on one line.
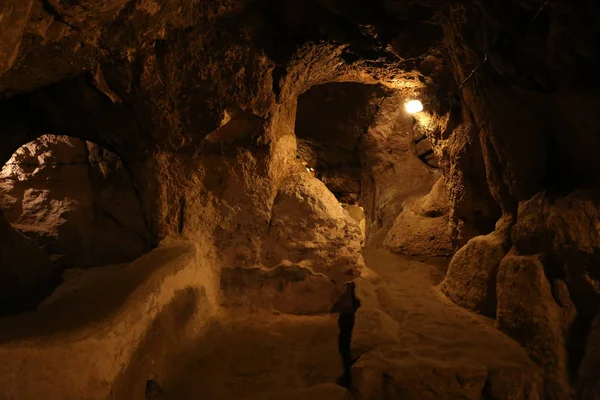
[[414, 106]]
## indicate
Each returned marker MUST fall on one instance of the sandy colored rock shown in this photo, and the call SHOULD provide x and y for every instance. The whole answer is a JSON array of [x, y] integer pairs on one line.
[[170, 290], [565, 228], [435, 203], [415, 235], [421, 229], [417, 379], [73, 199], [258, 356], [373, 327], [288, 288], [527, 312], [442, 350], [511, 99], [308, 223], [391, 173], [471, 278], [514, 384], [312, 248]]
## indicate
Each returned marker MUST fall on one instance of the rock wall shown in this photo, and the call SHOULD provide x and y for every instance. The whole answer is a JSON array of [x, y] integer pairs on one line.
[[392, 171], [511, 89], [311, 250], [526, 97], [74, 200], [422, 228]]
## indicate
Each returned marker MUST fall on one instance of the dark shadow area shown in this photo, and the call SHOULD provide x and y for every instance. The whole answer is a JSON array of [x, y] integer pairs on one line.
[[78, 313], [576, 343], [346, 308], [330, 122], [75, 200]]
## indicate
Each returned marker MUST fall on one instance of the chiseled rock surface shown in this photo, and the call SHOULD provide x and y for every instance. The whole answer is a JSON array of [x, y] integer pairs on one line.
[[422, 229], [312, 248], [423, 347], [528, 313], [74, 199], [83, 348], [308, 223]]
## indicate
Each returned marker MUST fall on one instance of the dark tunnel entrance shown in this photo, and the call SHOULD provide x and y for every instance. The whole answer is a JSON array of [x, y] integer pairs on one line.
[[75, 201], [370, 153]]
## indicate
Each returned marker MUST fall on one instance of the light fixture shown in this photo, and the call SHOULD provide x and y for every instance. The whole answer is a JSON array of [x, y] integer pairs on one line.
[[413, 106]]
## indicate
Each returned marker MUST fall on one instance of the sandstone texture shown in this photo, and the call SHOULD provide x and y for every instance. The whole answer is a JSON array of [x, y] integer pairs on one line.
[[416, 345], [74, 200], [422, 229], [212, 147]]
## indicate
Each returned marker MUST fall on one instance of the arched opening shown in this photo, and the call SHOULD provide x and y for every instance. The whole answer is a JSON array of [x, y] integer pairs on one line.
[[75, 201], [360, 141]]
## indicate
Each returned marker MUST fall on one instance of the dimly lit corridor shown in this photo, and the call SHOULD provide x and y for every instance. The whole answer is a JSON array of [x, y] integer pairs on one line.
[[317, 199]]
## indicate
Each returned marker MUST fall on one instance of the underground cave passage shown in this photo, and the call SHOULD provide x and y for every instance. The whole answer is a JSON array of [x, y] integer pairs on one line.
[[71, 205], [372, 154], [75, 200], [283, 219]]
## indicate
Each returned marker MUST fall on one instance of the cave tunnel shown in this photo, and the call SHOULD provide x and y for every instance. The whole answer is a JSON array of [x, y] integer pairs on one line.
[[322, 199], [73, 199]]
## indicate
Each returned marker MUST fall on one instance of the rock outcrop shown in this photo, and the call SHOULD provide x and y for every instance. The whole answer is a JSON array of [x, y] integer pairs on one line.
[[75, 200], [199, 101], [422, 228], [471, 278], [312, 248]]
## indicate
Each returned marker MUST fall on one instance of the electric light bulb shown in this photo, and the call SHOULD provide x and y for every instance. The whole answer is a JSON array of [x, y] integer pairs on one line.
[[414, 106]]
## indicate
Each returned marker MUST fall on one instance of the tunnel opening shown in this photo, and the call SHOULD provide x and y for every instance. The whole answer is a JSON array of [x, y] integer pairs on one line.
[[74, 200], [370, 147], [495, 173], [369, 150]]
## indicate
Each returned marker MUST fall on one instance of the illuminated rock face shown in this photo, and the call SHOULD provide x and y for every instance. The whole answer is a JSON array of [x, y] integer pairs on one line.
[[203, 103], [75, 200]]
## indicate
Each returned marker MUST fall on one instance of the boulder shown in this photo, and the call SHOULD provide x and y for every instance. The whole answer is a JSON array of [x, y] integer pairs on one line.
[[421, 229], [308, 223], [471, 278], [75, 199], [528, 313]]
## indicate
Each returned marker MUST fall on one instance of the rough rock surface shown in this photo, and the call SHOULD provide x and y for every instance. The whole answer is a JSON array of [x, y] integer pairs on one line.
[[359, 140], [511, 94], [74, 200], [471, 278], [330, 122], [392, 173], [311, 249], [308, 223], [422, 229], [161, 301], [528, 313], [413, 343]]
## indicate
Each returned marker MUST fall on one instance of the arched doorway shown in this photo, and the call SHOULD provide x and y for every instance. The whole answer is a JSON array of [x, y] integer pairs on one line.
[[74, 199]]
